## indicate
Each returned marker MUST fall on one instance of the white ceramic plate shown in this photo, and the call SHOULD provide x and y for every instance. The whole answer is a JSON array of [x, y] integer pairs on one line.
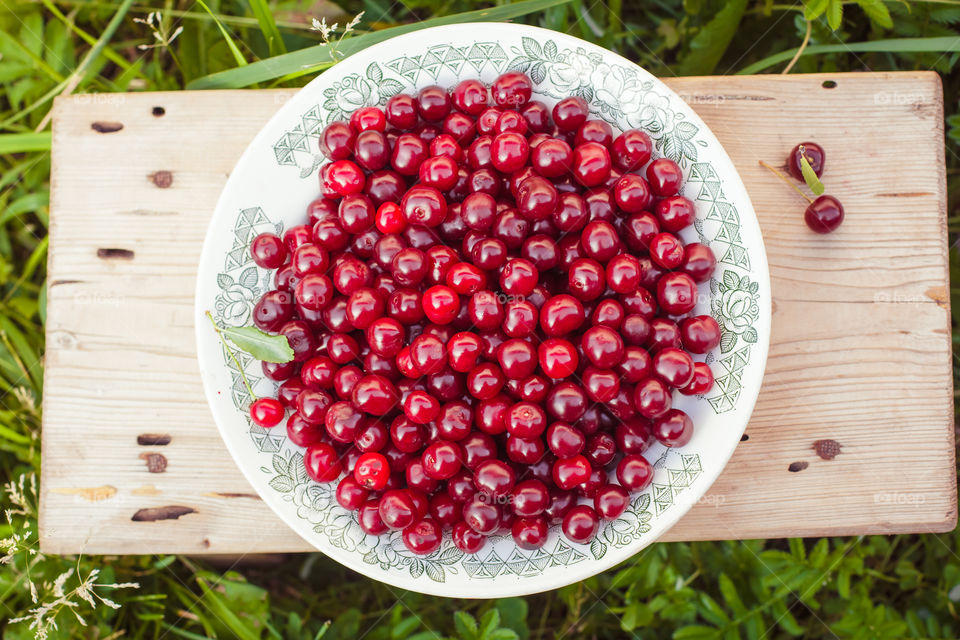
[[277, 177]]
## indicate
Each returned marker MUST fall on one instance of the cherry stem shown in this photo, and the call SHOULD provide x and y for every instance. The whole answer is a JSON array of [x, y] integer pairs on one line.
[[780, 175], [233, 356]]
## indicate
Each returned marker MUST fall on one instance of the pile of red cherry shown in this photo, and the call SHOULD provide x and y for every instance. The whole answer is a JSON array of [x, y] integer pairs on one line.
[[489, 311]]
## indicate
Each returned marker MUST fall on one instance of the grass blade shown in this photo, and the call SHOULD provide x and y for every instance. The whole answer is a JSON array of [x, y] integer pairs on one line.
[[241, 61], [23, 142], [945, 44], [708, 46], [269, 27], [322, 54]]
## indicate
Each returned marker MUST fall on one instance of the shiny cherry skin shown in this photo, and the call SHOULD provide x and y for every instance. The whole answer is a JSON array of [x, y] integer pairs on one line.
[[266, 412], [537, 198], [651, 398], [529, 498], [698, 262], [322, 463], [603, 347], [511, 90], [699, 334], [442, 459], [552, 158], [586, 279], [673, 429], [631, 150], [482, 516], [561, 315], [673, 366], [564, 440], [580, 524], [351, 494], [525, 420], [336, 140], [509, 152], [471, 97], [702, 380], [600, 450], [530, 532], [423, 537], [570, 113], [632, 193], [441, 304], [558, 358], [397, 509], [634, 472], [567, 401], [375, 394], [824, 215], [268, 251], [369, 518], [677, 293], [371, 471], [601, 385], [570, 472], [814, 154], [408, 153], [494, 478], [610, 501], [667, 251], [623, 273], [591, 164], [466, 539], [675, 213], [664, 176]]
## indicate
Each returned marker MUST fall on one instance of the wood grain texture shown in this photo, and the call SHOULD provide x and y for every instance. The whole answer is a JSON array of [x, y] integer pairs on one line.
[[860, 353]]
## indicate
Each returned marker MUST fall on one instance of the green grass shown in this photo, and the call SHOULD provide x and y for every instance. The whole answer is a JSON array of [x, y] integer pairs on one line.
[[863, 587]]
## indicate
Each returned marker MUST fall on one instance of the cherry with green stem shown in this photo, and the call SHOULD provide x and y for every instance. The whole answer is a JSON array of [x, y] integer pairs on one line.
[[823, 214]]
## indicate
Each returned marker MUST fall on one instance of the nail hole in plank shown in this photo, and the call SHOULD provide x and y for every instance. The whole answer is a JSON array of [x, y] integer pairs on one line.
[[106, 127], [158, 112], [109, 252], [829, 84]]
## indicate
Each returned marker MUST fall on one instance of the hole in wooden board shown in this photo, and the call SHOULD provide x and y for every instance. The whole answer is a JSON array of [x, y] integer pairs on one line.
[[829, 84], [158, 111], [744, 438], [110, 252], [106, 127]]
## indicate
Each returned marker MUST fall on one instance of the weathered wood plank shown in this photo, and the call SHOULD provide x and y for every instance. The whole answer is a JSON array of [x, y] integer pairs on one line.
[[860, 353]]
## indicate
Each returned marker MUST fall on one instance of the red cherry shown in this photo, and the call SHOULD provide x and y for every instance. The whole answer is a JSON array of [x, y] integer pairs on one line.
[[634, 473], [371, 471], [673, 429], [664, 176], [530, 532], [322, 463], [570, 472], [266, 412], [824, 214], [580, 524]]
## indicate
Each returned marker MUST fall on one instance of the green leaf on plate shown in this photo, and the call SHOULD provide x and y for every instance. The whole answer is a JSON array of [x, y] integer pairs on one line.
[[260, 345]]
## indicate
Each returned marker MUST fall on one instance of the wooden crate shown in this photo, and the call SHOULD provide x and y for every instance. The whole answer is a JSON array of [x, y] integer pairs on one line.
[[852, 433]]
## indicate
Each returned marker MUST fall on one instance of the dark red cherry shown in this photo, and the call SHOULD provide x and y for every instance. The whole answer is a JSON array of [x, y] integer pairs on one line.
[[631, 150], [530, 532], [673, 429], [634, 472], [812, 152], [824, 214], [580, 524], [570, 113], [511, 90], [664, 176]]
